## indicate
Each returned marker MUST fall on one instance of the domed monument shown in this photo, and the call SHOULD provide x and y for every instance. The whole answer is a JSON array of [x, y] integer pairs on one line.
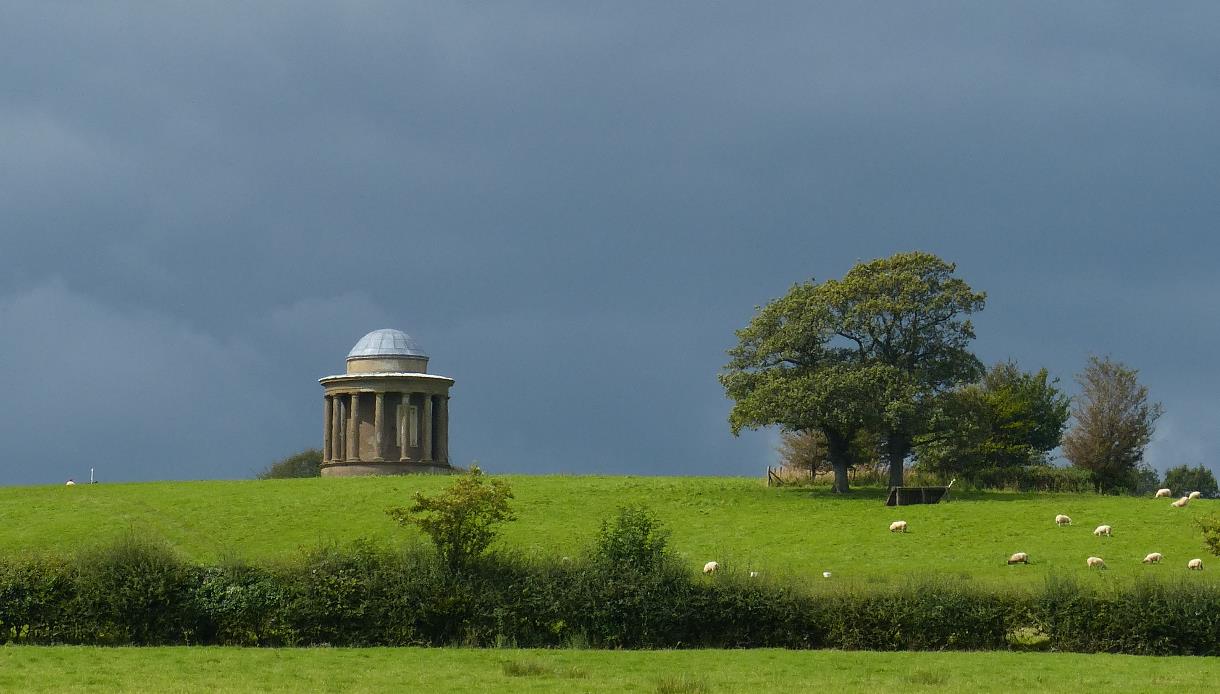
[[387, 415]]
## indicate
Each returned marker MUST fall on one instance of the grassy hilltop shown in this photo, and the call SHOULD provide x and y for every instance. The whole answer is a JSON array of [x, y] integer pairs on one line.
[[738, 522]]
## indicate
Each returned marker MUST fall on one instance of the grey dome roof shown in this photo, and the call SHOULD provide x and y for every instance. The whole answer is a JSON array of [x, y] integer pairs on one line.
[[386, 343]]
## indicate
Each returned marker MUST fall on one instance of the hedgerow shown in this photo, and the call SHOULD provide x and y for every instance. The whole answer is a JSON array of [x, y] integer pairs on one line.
[[140, 593]]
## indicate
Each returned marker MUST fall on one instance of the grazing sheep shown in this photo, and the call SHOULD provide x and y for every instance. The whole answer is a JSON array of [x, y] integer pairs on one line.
[[898, 527], [711, 567], [1019, 558], [1194, 495], [1162, 493], [1195, 564], [1062, 520], [754, 574], [1102, 530], [1154, 558], [1095, 563], [1181, 502]]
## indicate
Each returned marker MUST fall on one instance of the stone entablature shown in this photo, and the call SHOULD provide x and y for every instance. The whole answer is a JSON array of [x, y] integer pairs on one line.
[[385, 415]]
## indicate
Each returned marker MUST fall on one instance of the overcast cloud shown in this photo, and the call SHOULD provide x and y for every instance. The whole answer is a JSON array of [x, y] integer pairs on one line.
[[572, 207]]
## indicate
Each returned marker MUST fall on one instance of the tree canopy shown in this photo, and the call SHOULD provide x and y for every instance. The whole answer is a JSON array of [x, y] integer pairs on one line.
[[1009, 418], [868, 352], [1114, 421], [1184, 479]]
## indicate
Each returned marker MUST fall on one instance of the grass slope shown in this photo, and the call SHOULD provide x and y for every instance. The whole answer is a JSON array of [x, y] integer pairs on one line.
[[738, 522], [191, 669]]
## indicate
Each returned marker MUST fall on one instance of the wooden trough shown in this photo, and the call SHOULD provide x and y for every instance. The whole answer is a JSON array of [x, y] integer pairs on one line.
[[906, 496]]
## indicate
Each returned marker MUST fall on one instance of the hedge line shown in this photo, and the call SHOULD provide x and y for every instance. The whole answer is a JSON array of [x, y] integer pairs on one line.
[[140, 593]]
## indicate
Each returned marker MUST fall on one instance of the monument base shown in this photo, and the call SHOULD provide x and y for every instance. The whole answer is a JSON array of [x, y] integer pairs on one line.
[[367, 468]]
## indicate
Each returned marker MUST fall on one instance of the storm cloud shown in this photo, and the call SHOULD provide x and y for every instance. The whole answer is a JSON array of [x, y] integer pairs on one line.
[[572, 207]]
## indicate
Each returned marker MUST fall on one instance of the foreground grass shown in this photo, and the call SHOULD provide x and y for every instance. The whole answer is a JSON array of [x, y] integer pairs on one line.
[[739, 522], [191, 669]]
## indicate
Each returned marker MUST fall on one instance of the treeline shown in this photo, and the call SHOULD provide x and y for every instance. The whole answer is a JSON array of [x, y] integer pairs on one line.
[[874, 371], [135, 592]]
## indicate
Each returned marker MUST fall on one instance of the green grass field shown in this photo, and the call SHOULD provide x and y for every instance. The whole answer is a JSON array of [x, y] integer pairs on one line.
[[738, 522], [193, 669]]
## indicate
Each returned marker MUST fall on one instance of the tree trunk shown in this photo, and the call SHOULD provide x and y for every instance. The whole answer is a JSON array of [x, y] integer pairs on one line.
[[838, 449], [896, 448]]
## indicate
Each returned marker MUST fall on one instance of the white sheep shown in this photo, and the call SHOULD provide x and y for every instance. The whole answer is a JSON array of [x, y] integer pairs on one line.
[[898, 527], [754, 574], [1162, 493], [1180, 503], [1153, 558], [711, 567], [1095, 563], [1195, 564], [1062, 520], [1102, 530], [1019, 558], [1194, 495]]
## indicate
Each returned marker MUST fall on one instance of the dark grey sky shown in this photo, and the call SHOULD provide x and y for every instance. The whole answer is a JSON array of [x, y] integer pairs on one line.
[[572, 206]]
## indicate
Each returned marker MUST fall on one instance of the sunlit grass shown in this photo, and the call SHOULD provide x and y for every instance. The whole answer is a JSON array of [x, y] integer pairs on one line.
[[785, 533], [209, 669]]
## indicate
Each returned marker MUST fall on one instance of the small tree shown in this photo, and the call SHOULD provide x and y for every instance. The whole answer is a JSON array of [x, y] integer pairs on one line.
[[307, 463], [1184, 480], [633, 540], [1114, 423], [460, 520], [1008, 419]]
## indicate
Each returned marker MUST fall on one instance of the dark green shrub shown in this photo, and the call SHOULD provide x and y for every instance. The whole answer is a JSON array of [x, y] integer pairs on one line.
[[1210, 526], [307, 463], [1033, 478], [134, 591], [35, 593], [922, 615], [1146, 618], [634, 540], [241, 605]]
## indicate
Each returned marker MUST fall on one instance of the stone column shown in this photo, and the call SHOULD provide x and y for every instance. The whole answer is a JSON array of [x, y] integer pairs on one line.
[[402, 424], [442, 430], [353, 429], [326, 417], [425, 426], [379, 426], [338, 442]]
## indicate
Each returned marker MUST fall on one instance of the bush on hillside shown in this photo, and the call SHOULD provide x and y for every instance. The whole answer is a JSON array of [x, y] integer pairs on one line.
[[461, 520], [135, 590], [1183, 480], [307, 463], [1211, 533], [634, 540]]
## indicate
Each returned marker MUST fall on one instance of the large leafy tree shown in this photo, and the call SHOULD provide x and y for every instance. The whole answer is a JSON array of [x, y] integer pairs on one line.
[[1010, 418], [1114, 423], [836, 400], [870, 351]]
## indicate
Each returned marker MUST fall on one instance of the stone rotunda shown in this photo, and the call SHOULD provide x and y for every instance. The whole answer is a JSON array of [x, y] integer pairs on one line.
[[387, 415]]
